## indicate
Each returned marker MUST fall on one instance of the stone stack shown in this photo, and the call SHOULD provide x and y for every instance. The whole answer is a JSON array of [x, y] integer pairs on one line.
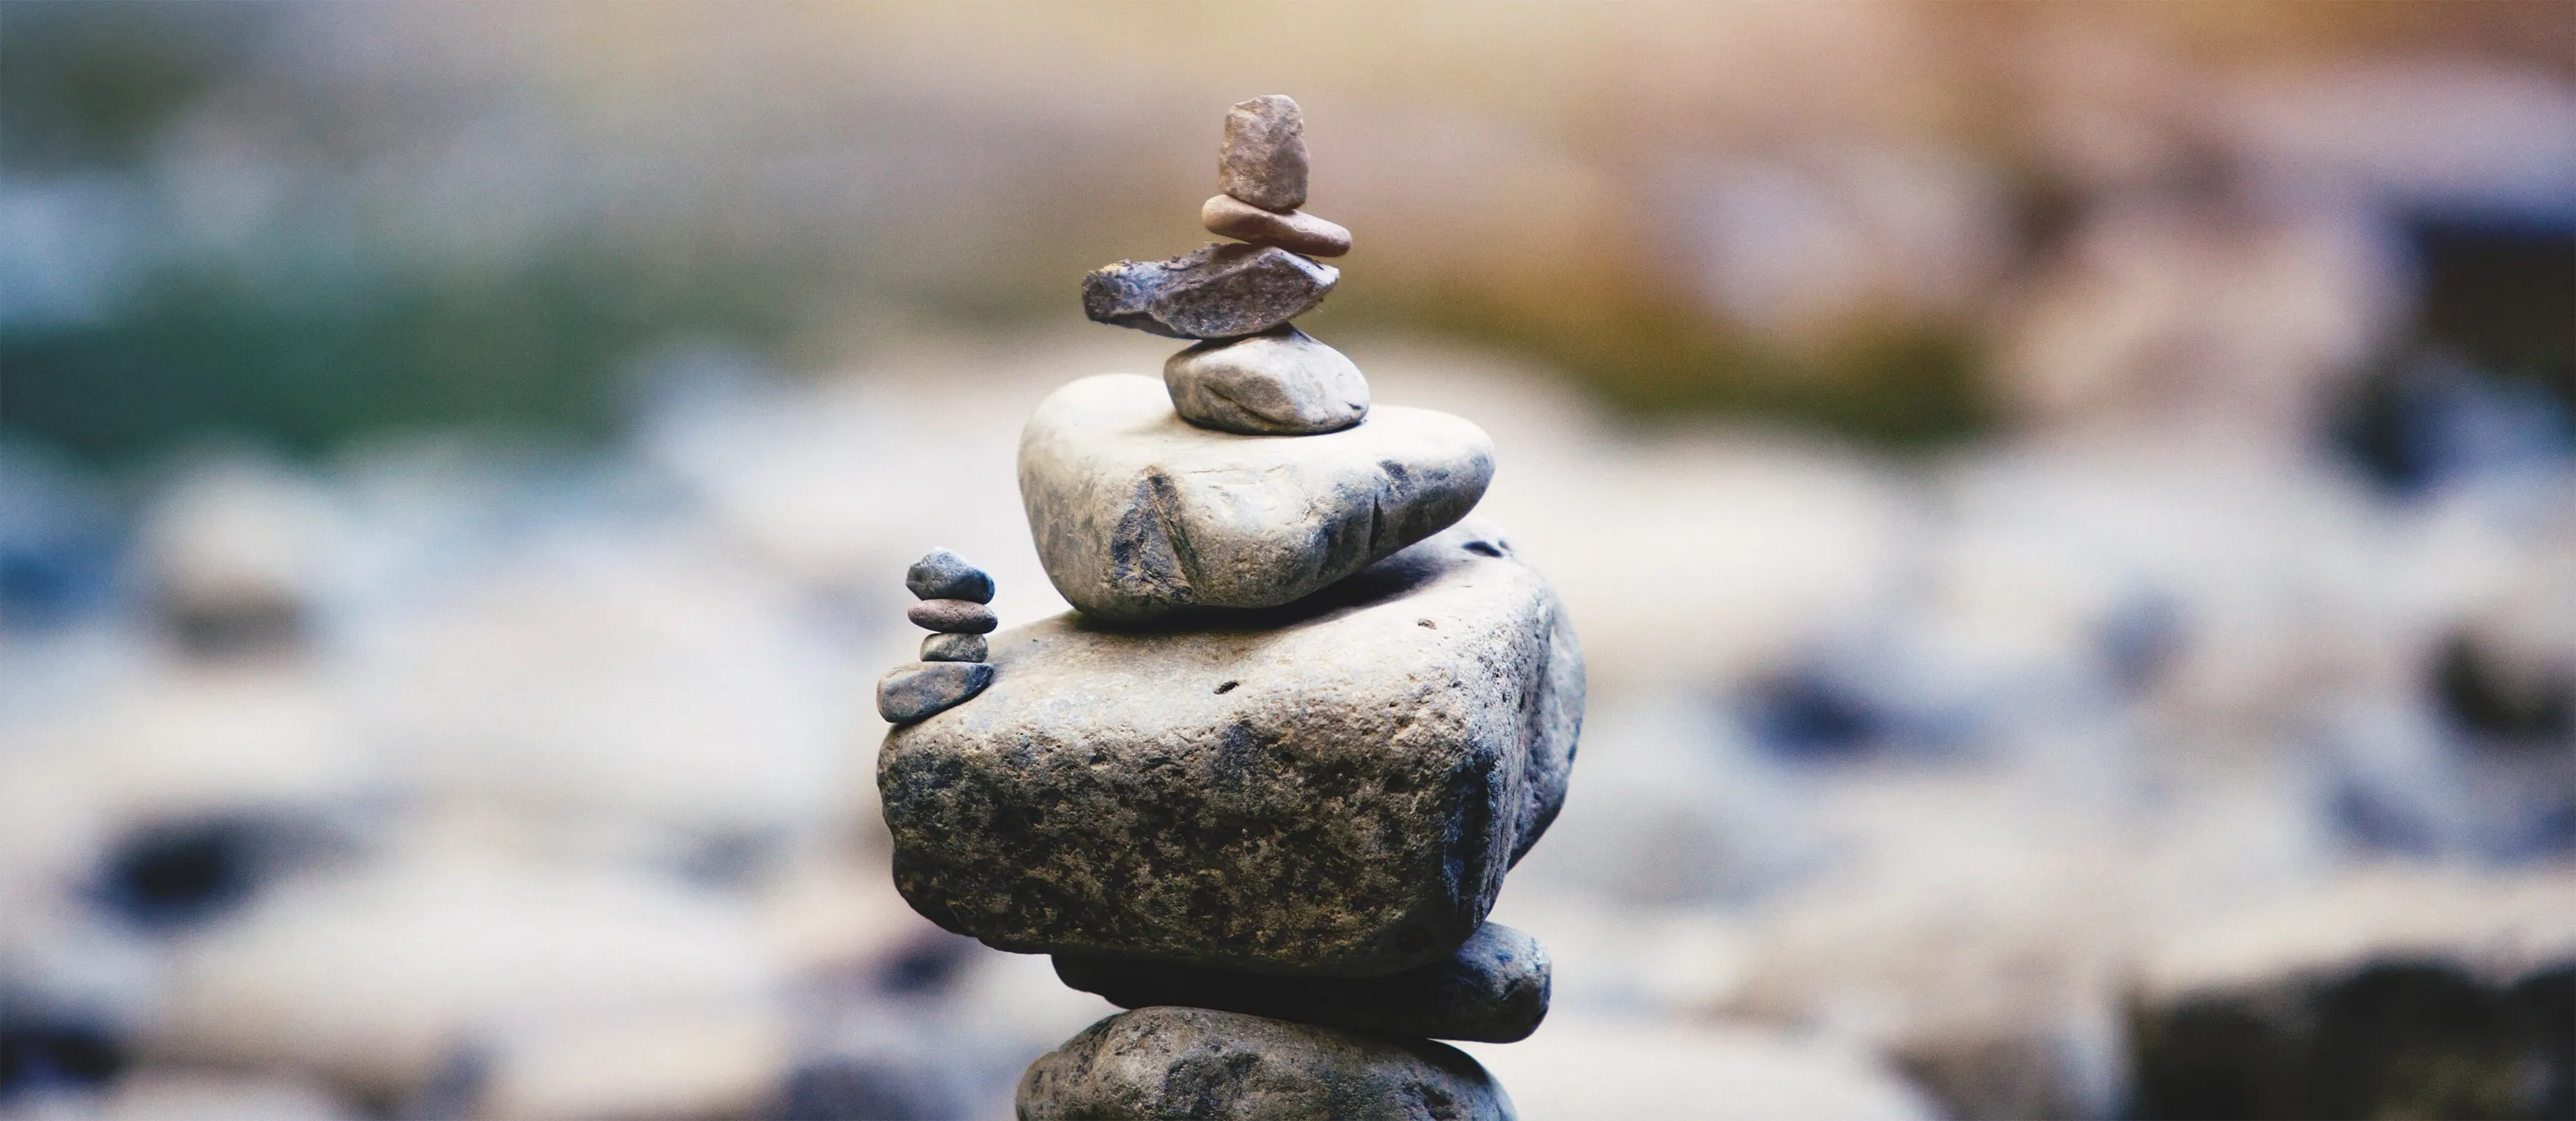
[[952, 668], [1263, 784]]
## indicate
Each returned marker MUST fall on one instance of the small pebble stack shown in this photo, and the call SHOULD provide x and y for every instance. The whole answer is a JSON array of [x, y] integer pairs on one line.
[[952, 668], [1255, 374], [1219, 793]]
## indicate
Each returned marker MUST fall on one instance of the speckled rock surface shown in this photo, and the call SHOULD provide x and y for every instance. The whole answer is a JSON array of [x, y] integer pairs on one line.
[[1199, 1064], [1139, 514], [1295, 231], [1218, 291], [1262, 159], [1280, 382], [920, 689], [941, 574], [1492, 989], [1334, 788], [954, 648]]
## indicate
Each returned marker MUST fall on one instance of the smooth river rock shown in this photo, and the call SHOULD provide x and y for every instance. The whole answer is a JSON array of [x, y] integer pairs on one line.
[[917, 690], [1329, 789], [1280, 382], [1192, 1063], [1295, 231], [1262, 159], [952, 616], [954, 648], [1139, 514], [1218, 291], [941, 574], [1492, 989]]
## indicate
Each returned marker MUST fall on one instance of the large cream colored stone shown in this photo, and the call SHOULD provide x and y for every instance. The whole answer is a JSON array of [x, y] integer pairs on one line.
[[1139, 514]]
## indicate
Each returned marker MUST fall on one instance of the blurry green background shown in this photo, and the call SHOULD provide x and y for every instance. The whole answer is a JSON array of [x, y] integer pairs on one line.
[[302, 222]]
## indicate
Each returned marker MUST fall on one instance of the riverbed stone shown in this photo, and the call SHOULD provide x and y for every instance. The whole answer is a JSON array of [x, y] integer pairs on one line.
[[941, 574], [1280, 382], [1263, 157], [1139, 515], [1199, 1064], [920, 690], [1333, 788], [952, 616], [1218, 291], [1295, 231], [1493, 989], [954, 648]]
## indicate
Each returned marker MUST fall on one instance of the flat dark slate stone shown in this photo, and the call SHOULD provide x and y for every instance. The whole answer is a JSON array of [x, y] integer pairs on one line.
[[920, 690], [952, 616], [1200, 1064], [1219, 291], [1493, 989]]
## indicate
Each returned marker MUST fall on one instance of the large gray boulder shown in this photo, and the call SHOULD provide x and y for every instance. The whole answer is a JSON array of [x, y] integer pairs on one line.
[[1139, 514], [1493, 989], [1191, 1063], [1334, 788]]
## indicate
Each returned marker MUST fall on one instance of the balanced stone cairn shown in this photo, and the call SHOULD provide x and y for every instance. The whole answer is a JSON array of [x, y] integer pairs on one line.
[[1262, 785]]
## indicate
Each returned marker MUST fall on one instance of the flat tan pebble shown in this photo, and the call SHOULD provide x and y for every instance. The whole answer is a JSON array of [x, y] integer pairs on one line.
[[1263, 160], [952, 616], [1295, 231]]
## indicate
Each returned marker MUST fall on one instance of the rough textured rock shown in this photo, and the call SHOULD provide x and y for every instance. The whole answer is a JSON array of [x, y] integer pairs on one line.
[[954, 648], [1280, 382], [1295, 231], [1492, 989], [1218, 291], [1263, 157], [1198, 1064], [1333, 788], [952, 616], [919, 690], [941, 574], [1139, 514]]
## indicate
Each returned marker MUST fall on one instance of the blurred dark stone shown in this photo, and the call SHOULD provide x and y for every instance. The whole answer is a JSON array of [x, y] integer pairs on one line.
[[1808, 713], [240, 628], [926, 965], [174, 874], [2535, 704], [857, 1088], [39, 1052], [2392, 1039]]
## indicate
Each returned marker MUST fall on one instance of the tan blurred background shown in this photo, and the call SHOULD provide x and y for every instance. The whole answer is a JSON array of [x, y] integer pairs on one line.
[[2069, 509]]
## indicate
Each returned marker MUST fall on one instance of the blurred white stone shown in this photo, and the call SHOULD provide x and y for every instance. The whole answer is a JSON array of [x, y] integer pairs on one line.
[[180, 1094], [1577, 1067], [2491, 925], [237, 550], [380, 977]]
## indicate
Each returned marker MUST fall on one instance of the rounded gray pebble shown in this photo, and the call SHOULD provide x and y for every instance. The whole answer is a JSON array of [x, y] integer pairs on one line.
[[1195, 1063], [941, 574], [952, 616], [955, 648], [1280, 382]]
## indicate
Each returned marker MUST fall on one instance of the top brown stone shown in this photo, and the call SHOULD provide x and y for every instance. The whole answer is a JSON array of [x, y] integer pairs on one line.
[[1263, 161]]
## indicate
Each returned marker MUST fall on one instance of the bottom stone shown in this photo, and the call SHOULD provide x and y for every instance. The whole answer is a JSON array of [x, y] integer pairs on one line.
[[1196, 1063], [1493, 989]]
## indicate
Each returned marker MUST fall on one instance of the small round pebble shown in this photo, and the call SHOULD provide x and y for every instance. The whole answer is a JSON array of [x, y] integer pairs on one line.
[[954, 648], [952, 616], [1295, 231], [1278, 383], [941, 574]]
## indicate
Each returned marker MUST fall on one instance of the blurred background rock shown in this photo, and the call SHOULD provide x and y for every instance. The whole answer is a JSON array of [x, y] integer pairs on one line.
[[2070, 510]]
